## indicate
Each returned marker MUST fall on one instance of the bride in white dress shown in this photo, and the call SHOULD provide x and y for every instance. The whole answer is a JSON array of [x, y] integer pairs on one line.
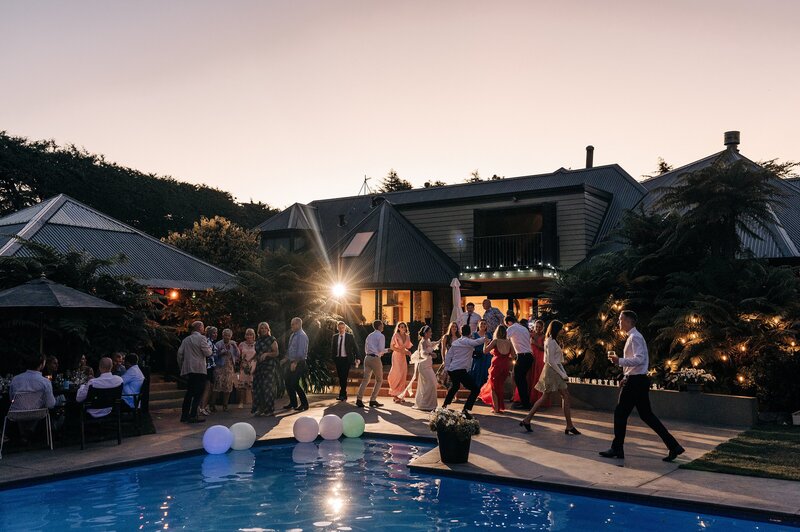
[[426, 389]]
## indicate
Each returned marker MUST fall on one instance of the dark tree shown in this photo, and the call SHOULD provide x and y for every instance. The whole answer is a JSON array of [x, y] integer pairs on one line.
[[393, 183]]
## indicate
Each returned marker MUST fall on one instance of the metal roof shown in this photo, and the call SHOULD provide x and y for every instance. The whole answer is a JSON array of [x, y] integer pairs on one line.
[[781, 239], [398, 254], [43, 293], [297, 216], [68, 225], [625, 193], [22, 216]]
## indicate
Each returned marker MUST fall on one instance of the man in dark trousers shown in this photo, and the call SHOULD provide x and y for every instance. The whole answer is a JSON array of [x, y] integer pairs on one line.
[[343, 352], [635, 391]]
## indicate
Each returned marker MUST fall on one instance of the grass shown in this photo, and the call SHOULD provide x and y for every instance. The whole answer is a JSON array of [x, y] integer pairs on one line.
[[769, 451]]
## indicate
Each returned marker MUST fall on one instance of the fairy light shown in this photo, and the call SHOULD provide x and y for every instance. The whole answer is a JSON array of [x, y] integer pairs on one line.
[[724, 358], [740, 378]]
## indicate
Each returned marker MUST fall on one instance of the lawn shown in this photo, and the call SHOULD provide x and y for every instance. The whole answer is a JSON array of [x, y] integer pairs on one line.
[[769, 451]]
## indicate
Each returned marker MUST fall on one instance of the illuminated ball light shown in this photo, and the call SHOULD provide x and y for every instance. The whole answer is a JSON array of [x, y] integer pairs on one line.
[[244, 436], [217, 439], [330, 428], [305, 429], [353, 425]]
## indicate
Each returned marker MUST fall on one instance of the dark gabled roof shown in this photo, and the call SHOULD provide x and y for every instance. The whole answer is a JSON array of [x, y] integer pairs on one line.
[[397, 254], [298, 216], [625, 193], [779, 240], [68, 225]]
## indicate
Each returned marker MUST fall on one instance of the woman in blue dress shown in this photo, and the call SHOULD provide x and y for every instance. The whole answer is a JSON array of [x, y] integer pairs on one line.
[[480, 360]]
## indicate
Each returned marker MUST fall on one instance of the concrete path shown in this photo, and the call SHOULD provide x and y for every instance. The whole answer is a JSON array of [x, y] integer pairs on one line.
[[503, 450]]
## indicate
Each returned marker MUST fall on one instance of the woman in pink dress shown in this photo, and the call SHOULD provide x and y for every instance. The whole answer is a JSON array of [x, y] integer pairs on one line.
[[401, 349], [247, 366], [493, 392]]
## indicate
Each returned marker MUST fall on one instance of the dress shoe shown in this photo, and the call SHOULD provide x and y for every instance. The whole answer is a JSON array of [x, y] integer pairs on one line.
[[375, 404], [301, 408], [573, 430], [196, 420], [612, 453], [674, 453], [288, 407], [467, 414], [526, 425], [359, 403]]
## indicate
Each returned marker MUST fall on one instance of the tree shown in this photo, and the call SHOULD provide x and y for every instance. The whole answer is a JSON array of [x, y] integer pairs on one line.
[[437, 183], [474, 177], [393, 183], [220, 242]]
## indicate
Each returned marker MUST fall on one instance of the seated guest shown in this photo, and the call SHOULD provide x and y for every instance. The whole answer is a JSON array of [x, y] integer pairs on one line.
[[119, 363], [85, 368], [32, 381], [132, 380], [50, 367], [104, 381]]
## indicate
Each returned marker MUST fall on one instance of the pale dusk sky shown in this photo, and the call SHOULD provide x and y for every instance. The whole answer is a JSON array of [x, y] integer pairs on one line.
[[298, 100]]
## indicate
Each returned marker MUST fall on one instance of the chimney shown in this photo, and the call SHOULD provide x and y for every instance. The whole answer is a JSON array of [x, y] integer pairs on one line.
[[589, 156], [732, 140]]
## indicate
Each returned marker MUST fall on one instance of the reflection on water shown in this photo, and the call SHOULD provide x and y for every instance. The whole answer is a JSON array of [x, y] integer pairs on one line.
[[353, 484]]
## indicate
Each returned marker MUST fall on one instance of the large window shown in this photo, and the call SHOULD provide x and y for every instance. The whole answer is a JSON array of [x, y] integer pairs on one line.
[[366, 311], [395, 306], [423, 307]]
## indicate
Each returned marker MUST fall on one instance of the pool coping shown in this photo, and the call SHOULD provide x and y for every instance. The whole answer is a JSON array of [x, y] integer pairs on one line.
[[621, 495]]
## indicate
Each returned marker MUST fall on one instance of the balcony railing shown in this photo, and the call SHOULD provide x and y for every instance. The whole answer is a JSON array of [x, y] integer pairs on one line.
[[504, 252]]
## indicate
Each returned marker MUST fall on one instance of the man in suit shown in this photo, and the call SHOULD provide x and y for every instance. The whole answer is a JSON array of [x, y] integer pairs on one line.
[[343, 352], [635, 392]]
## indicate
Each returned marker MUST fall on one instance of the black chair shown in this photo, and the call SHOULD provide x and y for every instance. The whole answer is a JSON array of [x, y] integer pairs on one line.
[[98, 398], [141, 402]]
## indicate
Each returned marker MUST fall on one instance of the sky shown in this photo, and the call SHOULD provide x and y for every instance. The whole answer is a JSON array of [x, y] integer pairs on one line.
[[298, 100]]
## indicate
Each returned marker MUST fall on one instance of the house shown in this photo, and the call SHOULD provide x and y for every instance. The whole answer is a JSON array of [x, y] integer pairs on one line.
[[397, 252], [68, 225]]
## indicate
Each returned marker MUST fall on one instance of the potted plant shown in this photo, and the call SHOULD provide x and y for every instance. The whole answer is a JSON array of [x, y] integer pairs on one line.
[[692, 378], [454, 430]]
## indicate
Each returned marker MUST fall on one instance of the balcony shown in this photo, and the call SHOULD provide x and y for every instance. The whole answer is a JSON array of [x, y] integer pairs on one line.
[[505, 253]]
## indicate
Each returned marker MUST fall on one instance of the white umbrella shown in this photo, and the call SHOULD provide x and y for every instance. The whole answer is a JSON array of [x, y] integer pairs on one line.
[[457, 312]]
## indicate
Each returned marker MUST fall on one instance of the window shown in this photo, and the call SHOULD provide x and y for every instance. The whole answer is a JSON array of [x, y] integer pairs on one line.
[[276, 244], [395, 306], [366, 312], [357, 245], [423, 307]]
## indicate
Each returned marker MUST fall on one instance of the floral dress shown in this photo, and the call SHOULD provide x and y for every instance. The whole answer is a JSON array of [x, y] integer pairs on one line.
[[247, 364], [224, 375], [264, 377]]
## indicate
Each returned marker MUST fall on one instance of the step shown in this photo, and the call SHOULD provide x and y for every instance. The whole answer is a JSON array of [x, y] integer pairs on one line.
[[174, 393], [166, 404]]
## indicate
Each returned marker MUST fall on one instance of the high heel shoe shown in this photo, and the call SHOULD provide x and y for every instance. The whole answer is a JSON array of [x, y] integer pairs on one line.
[[573, 430], [526, 425]]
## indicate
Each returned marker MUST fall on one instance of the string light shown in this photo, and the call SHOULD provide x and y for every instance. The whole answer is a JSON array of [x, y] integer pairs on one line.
[[724, 358], [740, 378]]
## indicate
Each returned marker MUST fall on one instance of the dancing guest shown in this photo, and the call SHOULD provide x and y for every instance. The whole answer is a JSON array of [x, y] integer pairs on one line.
[[296, 355], [635, 392], [457, 363], [224, 374], [553, 379], [247, 367], [401, 349], [537, 350], [211, 364], [493, 316], [374, 348], [423, 358], [481, 360], [493, 391], [192, 355], [521, 339], [470, 317], [447, 340], [343, 352], [266, 358]]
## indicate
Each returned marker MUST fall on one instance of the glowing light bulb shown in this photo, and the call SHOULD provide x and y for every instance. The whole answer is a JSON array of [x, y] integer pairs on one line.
[[338, 290]]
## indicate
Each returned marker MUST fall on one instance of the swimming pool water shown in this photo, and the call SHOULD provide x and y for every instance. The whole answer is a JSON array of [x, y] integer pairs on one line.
[[354, 484]]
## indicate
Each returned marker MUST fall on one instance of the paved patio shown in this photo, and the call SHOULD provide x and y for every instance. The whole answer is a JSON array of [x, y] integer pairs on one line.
[[502, 450]]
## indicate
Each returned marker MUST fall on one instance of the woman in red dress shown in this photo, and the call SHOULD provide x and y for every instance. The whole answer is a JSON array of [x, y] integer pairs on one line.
[[492, 393]]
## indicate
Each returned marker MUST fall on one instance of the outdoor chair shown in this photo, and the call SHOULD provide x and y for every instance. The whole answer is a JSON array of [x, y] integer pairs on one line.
[[141, 402], [98, 398], [27, 407]]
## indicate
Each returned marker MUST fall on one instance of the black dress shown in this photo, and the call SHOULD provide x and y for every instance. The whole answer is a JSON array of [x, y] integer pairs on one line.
[[264, 377]]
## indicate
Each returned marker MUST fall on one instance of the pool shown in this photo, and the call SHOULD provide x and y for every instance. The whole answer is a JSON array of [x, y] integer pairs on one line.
[[355, 484]]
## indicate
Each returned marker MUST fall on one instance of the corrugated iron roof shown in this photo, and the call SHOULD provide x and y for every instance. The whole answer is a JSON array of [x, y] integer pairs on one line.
[[22, 216], [7, 232], [68, 225], [397, 254]]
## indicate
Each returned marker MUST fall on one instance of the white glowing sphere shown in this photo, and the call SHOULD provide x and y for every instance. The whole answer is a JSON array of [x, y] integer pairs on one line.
[[330, 428], [244, 436], [217, 439], [305, 429]]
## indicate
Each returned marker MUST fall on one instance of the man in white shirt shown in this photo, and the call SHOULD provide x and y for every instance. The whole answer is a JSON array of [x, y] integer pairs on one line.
[[32, 381], [104, 381], [374, 347], [132, 379], [471, 318], [636, 391], [520, 338], [457, 363]]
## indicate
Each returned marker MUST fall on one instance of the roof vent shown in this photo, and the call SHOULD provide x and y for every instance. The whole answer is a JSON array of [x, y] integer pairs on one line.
[[732, 140], [342, 221], [377, 200], [589, 156]]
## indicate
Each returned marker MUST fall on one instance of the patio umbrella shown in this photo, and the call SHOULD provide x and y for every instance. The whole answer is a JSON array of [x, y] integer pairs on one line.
[[457, 312], [44, 296]]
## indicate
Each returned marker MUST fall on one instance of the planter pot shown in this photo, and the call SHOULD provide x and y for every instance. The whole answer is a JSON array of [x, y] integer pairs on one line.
[[694, 387], [451, 449]]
